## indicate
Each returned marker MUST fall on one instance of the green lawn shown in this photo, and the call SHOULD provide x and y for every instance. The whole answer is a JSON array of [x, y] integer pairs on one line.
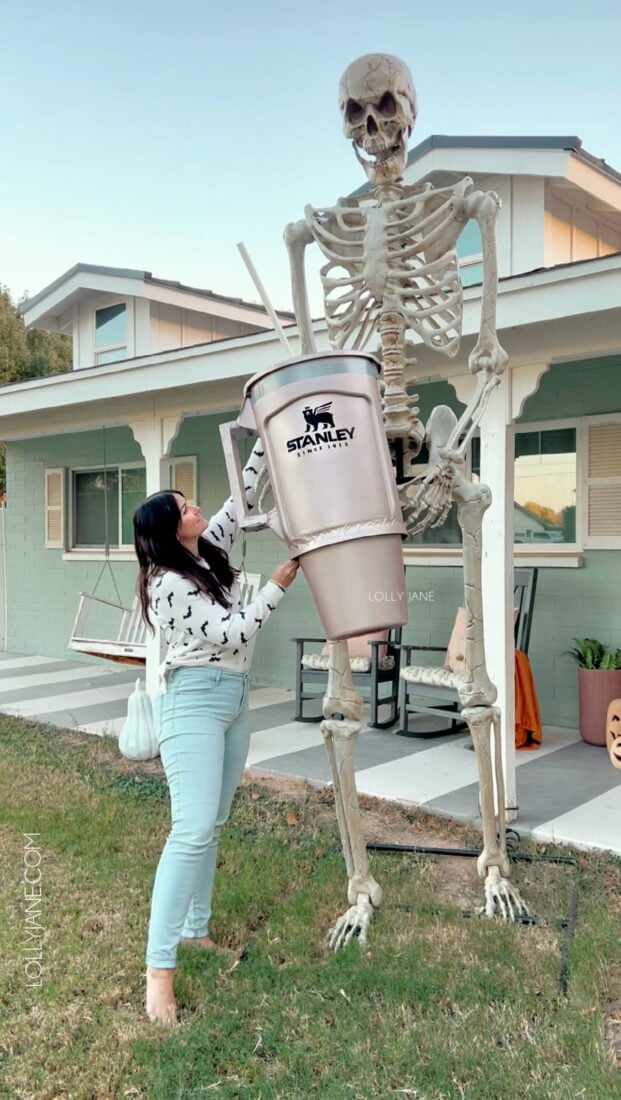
[[444, 1004]]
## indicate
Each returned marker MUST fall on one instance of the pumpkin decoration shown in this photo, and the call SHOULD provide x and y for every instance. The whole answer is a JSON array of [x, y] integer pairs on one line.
[[613, 732]]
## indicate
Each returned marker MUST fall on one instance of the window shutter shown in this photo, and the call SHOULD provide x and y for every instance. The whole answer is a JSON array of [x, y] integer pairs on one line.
[[183, 476], [604, 482], [55, 509]]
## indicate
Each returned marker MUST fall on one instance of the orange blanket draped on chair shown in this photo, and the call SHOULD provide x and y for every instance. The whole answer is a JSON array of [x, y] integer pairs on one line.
[[527, 716]]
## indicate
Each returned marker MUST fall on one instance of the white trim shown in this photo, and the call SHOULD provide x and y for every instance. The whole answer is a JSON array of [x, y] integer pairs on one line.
[[99, 555], [570, 559], [78, 284], [422, 555], [470, 260], [582, 435], [3, 579]]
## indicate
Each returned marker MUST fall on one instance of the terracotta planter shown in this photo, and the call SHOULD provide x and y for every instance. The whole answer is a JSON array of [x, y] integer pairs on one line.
[[596, 689]]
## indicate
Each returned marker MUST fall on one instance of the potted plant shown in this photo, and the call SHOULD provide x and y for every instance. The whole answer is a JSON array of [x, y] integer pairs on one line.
[[599, 682]]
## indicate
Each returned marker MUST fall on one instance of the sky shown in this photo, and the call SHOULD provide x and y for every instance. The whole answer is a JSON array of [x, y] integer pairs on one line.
[[155, 135]]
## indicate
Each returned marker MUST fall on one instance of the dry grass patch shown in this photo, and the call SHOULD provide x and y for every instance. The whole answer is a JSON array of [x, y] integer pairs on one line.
[[437, 1000]]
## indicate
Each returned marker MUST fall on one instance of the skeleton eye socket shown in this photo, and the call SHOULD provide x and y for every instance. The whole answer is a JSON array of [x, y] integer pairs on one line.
[[387, 106], [354, 113]]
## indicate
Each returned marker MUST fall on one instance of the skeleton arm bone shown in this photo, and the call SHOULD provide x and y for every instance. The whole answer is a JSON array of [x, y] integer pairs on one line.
[[297, 237], [487, 355], [488, 359]]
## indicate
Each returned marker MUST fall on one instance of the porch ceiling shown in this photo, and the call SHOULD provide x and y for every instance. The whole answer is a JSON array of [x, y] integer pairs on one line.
[[555, 314]]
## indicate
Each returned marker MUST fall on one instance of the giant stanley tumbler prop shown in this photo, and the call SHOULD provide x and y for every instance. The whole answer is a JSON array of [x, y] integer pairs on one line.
[[336, 503]]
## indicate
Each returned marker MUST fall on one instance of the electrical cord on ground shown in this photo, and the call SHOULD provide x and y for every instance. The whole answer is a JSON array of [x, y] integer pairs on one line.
[[567, 924]]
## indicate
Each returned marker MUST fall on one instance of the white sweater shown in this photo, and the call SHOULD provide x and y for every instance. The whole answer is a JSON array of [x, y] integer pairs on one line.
[[198, 631]]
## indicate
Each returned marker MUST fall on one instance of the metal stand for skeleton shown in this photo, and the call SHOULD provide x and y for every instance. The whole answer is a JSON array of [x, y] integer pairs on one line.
[[391, 266]]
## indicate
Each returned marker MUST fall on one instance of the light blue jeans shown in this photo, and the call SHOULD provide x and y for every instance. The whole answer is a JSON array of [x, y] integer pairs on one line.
[[204, 733]]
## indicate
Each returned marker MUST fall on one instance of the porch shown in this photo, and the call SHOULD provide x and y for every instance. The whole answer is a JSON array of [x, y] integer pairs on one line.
[[568, 792]]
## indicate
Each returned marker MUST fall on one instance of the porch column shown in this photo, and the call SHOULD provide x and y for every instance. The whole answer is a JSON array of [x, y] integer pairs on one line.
[[154, 436], [497, 471]]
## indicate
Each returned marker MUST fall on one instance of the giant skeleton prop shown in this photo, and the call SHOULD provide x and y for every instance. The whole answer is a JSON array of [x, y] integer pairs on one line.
[[391, 268]]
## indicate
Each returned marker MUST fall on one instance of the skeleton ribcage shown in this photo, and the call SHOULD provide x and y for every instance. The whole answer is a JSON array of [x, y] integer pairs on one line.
[[379, 261]]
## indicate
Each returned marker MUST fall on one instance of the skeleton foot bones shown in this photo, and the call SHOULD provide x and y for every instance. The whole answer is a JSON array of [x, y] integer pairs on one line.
[[340, 729], [363, 892]]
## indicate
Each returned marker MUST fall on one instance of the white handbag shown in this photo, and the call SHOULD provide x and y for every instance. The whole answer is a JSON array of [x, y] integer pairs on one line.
[[138, 737]]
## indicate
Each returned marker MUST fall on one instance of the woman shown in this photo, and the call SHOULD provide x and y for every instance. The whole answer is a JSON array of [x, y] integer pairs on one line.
[[187, 582]]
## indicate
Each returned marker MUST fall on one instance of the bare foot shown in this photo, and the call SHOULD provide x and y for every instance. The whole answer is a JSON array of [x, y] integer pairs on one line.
[[160, 1002], [206, 943]]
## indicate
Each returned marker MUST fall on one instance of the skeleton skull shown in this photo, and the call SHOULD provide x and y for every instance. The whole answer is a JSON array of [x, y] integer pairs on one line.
[[378, 105]]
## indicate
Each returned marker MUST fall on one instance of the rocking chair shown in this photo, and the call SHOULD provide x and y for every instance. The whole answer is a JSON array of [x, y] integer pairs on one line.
[[379, 667], [418, 697]]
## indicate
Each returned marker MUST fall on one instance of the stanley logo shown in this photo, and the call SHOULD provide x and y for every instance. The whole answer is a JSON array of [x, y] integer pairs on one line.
[[319, 431]]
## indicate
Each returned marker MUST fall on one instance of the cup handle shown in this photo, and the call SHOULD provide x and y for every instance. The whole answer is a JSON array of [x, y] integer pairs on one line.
[[230, 433]]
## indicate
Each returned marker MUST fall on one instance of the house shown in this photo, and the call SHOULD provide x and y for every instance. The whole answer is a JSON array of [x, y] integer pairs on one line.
[[159, 366], [532, 528]]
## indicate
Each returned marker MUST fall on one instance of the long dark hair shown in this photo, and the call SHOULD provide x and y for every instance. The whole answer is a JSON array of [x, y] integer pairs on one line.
[[156, 522]]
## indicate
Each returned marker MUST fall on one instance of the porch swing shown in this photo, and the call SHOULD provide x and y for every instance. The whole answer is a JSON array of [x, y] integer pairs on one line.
[[129, 642]]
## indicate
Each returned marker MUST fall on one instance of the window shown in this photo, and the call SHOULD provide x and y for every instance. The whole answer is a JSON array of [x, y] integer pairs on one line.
[[111, 333], [545, 491], [545, 486], [444, 537], [104, 502]]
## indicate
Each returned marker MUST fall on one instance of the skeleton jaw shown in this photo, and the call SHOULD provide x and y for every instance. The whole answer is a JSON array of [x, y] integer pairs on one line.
[[385, 164]]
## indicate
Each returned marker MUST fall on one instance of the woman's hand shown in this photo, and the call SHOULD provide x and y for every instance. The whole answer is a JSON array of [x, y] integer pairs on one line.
[[285, 574]]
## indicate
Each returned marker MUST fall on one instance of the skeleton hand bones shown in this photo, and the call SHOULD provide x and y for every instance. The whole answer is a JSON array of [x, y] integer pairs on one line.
[[428, 498]]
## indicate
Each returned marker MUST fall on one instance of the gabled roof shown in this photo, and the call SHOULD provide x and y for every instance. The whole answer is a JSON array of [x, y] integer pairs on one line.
[[547, 524], [444, 158], [570, 144], [45, 308]]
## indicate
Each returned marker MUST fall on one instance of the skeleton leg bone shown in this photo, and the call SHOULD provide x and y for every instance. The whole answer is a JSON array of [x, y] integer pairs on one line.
[[478, 695], [340, 734]]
